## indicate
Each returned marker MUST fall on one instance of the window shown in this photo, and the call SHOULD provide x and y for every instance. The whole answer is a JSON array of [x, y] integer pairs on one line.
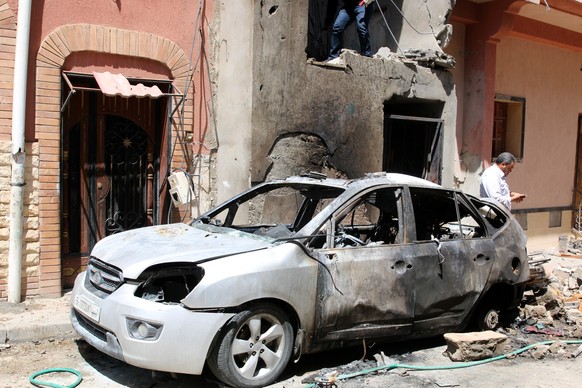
[[508, 125], [442, 215], [371, 220], [492, 215], [275, 210]]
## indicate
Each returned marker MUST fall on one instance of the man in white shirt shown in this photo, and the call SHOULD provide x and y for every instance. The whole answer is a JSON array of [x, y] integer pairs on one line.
[[493, 184]]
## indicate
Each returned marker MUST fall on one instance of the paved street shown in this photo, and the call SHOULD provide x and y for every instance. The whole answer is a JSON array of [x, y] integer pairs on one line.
[[19, 361]]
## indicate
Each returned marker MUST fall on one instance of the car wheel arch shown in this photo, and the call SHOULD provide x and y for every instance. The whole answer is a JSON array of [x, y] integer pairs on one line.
[[277, 313], [499, 297], [286, 307]]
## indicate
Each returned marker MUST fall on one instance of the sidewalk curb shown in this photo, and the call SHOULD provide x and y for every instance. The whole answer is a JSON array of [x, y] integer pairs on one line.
[[12, 332], [36, 319]]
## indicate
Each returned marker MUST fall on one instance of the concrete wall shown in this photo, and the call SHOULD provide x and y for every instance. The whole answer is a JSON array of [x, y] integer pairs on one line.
[[31, 269], [456, 48], [234, 58], [343, 107]]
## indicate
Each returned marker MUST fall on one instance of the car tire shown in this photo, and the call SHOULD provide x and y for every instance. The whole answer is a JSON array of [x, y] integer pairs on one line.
[[254, 348]]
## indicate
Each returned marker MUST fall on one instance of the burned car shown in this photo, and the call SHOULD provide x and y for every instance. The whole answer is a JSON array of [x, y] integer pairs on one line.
[[297, 266]]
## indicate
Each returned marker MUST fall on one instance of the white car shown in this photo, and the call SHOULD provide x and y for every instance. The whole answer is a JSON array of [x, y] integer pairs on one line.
[[297, 266]]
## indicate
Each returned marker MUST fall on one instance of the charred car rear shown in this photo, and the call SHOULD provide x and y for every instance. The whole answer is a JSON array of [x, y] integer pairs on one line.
[[297, 266]]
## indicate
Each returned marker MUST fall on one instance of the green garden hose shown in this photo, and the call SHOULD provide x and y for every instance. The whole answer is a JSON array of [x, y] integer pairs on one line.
[[443, 367], [40, 383]]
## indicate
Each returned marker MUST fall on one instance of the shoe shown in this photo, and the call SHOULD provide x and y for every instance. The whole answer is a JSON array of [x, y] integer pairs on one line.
[[335, 61]]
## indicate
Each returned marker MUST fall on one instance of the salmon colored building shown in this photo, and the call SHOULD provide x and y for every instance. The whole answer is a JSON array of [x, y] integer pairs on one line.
[[116, 100], [518, 78]]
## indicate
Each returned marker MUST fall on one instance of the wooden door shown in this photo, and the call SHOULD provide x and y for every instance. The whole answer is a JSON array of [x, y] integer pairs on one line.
[[111, 154]]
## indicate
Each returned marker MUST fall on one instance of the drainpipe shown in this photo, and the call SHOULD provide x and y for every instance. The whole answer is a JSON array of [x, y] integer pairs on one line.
[[18, 151]]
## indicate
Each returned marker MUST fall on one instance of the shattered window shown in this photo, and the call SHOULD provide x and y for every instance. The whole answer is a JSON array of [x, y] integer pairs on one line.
[[275, 207], [372, 219], [276, 211], [440, 215], [494, 217]]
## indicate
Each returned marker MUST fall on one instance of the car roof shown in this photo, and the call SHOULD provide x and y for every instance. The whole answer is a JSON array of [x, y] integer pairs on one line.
[[370, 178]]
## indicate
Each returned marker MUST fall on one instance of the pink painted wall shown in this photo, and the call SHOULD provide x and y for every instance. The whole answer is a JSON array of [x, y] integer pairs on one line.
[[171, 19], [551, 81], [498, 51]]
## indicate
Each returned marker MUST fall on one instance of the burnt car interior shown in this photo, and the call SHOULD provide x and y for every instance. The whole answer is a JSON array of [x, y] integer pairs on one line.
[[494, 217], [276, 211], [374, 218], [442, 215]]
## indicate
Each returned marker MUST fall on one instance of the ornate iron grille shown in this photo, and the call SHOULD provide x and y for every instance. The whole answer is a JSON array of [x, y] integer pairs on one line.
[[126, 147]]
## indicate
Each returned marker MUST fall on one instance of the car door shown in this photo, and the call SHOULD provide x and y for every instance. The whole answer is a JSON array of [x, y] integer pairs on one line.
[[366, 283], [453, 259]]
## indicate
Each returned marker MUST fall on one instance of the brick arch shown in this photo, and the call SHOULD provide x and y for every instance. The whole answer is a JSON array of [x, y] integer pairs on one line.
[[54, 49]]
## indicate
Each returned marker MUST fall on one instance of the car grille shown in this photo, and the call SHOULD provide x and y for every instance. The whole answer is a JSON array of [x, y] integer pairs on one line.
[[103, 277], [95, 330]]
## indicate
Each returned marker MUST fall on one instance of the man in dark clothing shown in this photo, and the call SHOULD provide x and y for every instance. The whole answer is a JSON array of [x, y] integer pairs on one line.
[[350, 10]]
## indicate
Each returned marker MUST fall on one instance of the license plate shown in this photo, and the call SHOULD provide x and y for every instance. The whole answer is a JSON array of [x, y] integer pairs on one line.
[[87, 307]]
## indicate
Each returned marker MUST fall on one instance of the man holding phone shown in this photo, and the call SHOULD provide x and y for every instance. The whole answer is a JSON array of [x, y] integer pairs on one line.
[[493, 183]]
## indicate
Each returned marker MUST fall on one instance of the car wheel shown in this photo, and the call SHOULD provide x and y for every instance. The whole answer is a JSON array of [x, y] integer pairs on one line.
[[489, 319], [253, 348]]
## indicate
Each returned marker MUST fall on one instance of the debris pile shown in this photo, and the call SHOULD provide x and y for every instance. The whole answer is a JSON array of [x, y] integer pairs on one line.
[[422, 57], [553, 300], [552, 305], [430, 58]]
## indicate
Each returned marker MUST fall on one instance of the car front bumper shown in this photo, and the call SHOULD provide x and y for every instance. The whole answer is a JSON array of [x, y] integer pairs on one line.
[[183, 342]]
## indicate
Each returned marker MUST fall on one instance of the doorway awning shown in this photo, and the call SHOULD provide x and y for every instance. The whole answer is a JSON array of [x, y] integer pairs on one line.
[[118, 85]]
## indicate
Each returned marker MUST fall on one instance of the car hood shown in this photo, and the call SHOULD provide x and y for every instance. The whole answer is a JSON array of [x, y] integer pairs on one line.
[[136, 250]]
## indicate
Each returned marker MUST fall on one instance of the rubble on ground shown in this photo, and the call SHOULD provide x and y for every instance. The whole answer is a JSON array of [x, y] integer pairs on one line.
[[552, 302], [551, 308]]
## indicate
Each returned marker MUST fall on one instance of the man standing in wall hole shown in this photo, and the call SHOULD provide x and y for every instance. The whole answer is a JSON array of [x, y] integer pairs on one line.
[[348, 11]]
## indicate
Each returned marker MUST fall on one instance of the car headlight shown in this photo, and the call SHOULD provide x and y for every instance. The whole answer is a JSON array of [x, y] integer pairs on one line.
[[168, 283], [143, 330]]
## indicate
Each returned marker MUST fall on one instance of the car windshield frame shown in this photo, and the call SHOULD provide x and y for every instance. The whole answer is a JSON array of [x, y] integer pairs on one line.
[[314, 195]]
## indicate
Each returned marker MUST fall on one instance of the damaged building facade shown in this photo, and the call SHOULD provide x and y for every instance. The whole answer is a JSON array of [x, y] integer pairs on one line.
[[215, 96]]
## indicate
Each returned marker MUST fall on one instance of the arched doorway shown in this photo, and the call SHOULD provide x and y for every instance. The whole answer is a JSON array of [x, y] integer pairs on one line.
[[112, 166], [57, 47]]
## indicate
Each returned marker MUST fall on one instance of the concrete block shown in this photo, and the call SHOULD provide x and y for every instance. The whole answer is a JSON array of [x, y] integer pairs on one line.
[[539, 313], [540, 351], [474, 346]]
